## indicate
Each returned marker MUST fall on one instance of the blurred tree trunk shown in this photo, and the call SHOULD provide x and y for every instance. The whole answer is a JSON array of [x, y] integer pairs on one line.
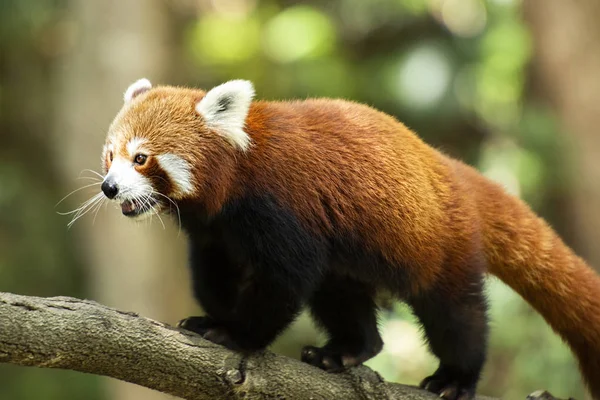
[[566, 71], [132, 266]]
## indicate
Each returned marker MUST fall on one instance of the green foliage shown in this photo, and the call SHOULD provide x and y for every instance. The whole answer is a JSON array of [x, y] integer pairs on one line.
[[224, 40], [311, 29]]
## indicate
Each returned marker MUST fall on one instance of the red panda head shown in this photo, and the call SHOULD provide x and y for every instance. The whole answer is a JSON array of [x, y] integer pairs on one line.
[[160, 143]]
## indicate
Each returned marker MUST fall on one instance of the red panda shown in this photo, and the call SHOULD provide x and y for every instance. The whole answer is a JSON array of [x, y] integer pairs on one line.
[[324, 203]]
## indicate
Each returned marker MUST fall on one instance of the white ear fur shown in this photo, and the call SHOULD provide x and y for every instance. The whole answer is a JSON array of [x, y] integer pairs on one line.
[[225, 108], [136, 88]]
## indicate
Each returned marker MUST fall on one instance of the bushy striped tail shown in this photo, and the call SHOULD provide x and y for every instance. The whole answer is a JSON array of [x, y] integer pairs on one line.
[[526, 254]]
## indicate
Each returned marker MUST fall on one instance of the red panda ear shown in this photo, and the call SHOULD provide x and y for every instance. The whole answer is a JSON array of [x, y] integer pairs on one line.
[[136, 88], [225, 109]]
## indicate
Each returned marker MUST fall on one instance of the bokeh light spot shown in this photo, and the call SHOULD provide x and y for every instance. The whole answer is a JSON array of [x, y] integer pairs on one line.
[[423, 77], [298, 32], [464, 17], [222, 40]]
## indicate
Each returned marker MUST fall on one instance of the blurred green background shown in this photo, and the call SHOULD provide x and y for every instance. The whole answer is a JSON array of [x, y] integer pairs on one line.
[[509, 86]]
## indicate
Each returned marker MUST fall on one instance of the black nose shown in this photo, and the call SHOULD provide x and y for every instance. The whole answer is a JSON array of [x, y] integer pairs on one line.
[[110, 188]]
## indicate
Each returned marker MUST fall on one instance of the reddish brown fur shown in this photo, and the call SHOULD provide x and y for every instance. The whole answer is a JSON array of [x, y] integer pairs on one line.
[[526, 254], [336, 163]]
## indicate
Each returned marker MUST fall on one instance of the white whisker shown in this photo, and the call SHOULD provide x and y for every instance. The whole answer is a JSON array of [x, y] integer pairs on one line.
[[98, 207], [87, 205], [75, 191], [99, 175], [159, 218], [145, 203], [85, 208], [148, 221], [90, 178], [176, 208]]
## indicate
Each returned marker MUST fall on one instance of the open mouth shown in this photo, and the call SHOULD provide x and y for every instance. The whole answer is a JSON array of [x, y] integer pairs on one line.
[[132, 208]]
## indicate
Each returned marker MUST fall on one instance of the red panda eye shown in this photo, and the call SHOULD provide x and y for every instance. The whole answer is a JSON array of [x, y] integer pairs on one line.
[[110, 155], [140, 159]]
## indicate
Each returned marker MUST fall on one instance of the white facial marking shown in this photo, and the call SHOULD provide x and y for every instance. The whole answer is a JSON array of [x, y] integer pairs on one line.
[[136, 88], [133, 147], [179, 171], [225, 109], [132, 185]]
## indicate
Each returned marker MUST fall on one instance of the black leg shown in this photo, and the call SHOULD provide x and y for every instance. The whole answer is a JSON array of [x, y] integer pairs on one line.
[[346, 310], [215, 282], [272, 264], [263, 308], [454, 318]]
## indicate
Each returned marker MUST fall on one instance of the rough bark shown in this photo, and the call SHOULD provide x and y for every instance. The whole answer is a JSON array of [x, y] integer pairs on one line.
[[82, 335]]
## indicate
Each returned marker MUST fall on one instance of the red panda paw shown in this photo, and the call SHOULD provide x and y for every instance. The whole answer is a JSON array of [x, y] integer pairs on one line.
[[331, 360], [200, 325], [322, 358], [447, 388], [221, 336], [210, 330]]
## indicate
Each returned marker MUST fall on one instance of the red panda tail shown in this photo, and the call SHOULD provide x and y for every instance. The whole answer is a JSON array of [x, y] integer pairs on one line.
[[525, 253]]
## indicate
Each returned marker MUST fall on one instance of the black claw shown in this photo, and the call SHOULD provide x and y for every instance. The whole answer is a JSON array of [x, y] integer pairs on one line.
[[322, 358], [210, 330], [331, 363], [309, 354], [450, 385], [431, 384], [200, 325], [450, 390]]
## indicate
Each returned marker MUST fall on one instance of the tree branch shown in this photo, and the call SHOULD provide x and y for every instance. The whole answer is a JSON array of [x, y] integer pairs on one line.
[[82, 335]]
